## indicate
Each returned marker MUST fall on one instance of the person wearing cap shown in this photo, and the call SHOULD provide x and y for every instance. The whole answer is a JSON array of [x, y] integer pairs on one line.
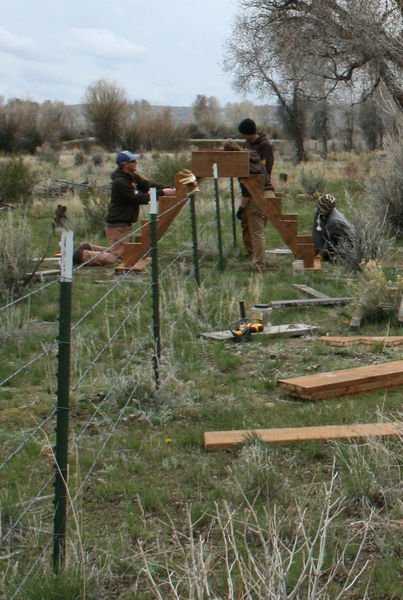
[[129, 191], [257, 142], [330, 228]]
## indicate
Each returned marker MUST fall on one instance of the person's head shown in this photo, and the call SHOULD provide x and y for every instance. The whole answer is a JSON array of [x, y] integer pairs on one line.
[[127, 161], [231, 146], [326, 204], [247, 129]]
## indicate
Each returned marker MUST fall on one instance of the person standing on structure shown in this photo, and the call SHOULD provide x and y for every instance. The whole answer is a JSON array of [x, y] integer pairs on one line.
[[258, 143]]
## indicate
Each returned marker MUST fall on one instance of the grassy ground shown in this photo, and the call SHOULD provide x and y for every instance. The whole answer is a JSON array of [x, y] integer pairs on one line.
[[153, 515]]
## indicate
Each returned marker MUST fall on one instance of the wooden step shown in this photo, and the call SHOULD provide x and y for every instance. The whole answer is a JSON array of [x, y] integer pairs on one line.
[[344, 382], [224, 440]]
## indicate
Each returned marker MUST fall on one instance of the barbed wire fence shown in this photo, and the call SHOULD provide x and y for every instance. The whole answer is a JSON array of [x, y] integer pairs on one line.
[[26, 511]]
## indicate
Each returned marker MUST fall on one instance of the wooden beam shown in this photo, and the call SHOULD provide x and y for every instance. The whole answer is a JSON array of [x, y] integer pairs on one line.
[[387, 340], [223, 440], [229, 164], [292, 330], [344, 382], [308, 302], [310, 291]]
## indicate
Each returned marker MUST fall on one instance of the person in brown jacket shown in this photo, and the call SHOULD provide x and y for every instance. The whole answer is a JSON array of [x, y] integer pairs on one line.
[[259, 143], [251, 213]]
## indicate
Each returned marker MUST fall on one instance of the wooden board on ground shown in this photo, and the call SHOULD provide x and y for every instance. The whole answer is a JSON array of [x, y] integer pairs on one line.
[[42, 275], [310, 291], [137, 268], [344, 381], [279, 251], [223, 440], [387, 340], [308, 302], [291, 330]]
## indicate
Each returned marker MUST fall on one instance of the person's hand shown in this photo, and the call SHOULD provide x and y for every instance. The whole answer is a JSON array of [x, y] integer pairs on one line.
[[169, 192]]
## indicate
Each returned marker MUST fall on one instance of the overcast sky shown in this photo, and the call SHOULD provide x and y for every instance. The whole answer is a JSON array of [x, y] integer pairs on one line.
[[163, 51]]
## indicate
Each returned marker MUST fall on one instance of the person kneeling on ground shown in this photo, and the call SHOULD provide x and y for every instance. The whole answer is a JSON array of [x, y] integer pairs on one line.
[[129, 191], [330, 228], [94, 255], [251, 213]]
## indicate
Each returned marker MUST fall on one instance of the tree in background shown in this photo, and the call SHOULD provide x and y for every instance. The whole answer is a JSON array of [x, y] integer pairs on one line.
[[371, 124], [106, 109], [285, 48], [207, 112]]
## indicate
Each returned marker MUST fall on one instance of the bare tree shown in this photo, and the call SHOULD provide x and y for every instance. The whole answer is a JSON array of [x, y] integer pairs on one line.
[[206, 112], [106, 108], [286, 47]]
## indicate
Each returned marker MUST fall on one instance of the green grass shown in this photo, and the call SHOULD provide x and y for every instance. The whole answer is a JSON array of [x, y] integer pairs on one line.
[[138, 452]]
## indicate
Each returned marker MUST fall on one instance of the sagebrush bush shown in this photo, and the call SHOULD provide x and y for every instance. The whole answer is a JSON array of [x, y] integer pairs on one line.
[[17, 181], [47, 154], [371, 238], [386, 188], [165, 166], [312, 182], [16, 252], [95, 203]]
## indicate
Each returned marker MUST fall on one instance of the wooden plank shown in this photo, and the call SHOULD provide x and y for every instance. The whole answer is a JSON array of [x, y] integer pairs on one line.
[[229, 164], [308, 302], [223, 440], [294, 329], [344, 381], [137, 268], [310, 291], [391, 340]]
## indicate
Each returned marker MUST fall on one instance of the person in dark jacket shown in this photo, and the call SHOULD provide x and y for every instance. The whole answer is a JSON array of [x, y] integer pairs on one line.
[[329, 228], [129, 191], [259, 143], [249, 211]]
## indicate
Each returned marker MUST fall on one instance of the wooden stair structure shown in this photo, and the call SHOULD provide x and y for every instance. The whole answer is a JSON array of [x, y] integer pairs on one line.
[[226, 164]]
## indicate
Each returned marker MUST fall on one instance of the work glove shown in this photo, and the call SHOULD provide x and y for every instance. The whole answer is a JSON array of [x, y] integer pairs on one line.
[[188, 179], [239, 213]]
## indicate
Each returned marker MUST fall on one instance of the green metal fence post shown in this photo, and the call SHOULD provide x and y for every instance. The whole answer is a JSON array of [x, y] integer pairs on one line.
[[155, 284], [62, 411], [194, 239], [218, 216], [232, 193]]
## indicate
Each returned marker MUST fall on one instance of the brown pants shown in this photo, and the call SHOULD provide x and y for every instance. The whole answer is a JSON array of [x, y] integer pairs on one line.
[[98, 257], [116, 234], [254, 231]]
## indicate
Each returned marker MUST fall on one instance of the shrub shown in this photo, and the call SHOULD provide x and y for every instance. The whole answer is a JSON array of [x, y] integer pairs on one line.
[[386, 188], [312, 182], [16, 252], [95, 202], [47, 154], [371, 239], [17, 181], [165, 167], [79, 159]]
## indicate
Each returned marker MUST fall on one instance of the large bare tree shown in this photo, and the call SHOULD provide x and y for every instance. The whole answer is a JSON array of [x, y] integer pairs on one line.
[[106, 108], [292, 48]]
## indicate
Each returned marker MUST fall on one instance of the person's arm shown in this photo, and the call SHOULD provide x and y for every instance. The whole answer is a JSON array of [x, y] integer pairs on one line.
[[268, 157], [124, 191], [162, 190]]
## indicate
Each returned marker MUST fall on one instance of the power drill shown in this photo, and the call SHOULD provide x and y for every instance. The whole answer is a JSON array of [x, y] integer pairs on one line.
[[243, 329]]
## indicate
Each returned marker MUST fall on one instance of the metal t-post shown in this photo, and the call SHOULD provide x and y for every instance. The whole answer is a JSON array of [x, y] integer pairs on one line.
[[218, 216], [194, 239], [232, 193], [62, 411], [155, 284]]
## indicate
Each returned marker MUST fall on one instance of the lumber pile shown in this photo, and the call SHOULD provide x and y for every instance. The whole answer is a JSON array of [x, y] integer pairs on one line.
[[224, 440], [344, 381], [386, 340]]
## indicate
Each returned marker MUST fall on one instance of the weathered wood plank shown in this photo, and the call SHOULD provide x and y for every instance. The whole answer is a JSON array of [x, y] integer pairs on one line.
[[292, 330], [307, 302], [222, 440], [310, 291], [229, 164], [344, 381], [391, 340]]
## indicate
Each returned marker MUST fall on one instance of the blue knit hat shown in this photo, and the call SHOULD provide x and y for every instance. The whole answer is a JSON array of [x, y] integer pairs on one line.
[[126, 157]]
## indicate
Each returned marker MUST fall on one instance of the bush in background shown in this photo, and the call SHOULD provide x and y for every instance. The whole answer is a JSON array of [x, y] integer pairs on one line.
[[17, 181], [16, 252], [165, 166], [312, 182], [95, 203]]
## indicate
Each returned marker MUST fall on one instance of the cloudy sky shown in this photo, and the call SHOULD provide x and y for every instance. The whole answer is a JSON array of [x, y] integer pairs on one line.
[[163, 51]]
